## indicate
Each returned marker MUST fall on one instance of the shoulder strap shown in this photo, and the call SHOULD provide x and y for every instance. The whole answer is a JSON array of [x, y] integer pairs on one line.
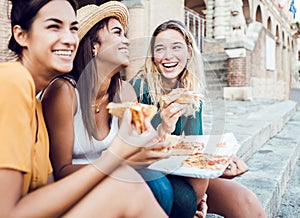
[[67, 77]]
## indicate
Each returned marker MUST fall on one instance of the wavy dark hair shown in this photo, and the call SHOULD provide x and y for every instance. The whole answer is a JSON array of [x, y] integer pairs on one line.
[[23, 13], [86, 74]]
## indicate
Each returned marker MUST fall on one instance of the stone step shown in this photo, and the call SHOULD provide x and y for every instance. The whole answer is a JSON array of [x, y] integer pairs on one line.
[[259, 127], [252, 122], [271, 167], [290, 204]]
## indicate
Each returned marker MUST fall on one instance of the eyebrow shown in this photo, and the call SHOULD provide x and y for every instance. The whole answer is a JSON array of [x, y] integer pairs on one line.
[[116, 27], [174, 43], [159, 45], [59, 21]]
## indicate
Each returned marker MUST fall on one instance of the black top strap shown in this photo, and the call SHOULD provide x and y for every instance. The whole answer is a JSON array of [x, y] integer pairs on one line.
[[67, 77]]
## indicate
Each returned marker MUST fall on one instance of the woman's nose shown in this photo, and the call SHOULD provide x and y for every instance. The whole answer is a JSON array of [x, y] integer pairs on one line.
[[125, 40], [69, 37], [168, 53]]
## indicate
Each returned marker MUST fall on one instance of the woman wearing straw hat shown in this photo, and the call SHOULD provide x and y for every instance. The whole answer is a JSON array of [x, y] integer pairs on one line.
[[102, 54], [45, 38]]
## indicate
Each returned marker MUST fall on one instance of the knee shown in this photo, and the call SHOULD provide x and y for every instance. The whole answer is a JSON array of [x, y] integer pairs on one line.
[[160, 187], [248, 200], [199, 186]]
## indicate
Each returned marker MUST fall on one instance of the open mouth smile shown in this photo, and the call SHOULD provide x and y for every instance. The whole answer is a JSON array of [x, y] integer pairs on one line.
[[170, 65], [64, 53]]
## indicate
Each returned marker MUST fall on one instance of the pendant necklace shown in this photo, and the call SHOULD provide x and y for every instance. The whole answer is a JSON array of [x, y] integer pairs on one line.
[[97, 105]]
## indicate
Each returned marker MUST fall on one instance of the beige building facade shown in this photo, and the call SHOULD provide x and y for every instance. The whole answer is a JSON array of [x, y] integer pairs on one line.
[[254, 36], [249, 46]]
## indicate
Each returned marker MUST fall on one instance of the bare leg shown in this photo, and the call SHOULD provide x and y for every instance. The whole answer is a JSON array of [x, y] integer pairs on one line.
[[123, 194], [228, 198], [200, 186]]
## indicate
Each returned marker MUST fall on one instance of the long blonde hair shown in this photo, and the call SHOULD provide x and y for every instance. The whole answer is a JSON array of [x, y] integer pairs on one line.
[[192, 78]]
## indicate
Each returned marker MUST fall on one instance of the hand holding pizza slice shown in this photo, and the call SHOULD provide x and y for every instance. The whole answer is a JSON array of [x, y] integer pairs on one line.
[[182, 96], [139, 111]]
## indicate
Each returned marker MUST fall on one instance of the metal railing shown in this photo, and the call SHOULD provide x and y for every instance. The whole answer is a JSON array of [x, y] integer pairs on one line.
[[196, 25]]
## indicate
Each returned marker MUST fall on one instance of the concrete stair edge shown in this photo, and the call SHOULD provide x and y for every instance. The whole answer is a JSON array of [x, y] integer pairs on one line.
[[253, 142], [271, 200], [260, 141]]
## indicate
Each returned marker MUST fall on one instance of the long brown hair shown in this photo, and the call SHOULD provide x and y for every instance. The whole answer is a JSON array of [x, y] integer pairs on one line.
[[86, 74]]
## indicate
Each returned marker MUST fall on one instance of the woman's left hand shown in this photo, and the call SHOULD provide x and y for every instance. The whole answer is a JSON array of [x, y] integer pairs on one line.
[[235, 168]]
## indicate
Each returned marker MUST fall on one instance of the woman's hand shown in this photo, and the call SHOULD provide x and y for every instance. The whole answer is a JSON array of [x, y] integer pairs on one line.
[[130, 140], [170, 114], [150, 154], [235, 168]]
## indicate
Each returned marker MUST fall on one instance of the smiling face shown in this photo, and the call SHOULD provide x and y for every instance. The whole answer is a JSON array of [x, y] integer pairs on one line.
[[170, 54], [52, 41], [112, 48]]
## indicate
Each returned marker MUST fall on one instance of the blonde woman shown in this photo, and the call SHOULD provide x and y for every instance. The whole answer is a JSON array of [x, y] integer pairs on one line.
[[174, 61]]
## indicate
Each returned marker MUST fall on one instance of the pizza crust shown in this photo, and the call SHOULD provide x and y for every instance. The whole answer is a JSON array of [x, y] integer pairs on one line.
[[139, 112]]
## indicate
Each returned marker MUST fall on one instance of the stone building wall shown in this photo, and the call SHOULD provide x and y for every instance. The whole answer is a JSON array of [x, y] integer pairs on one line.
[[5, 33]]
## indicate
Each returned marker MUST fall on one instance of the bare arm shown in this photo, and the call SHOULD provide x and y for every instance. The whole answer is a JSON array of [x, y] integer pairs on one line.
[[55, 199], [59, 107]]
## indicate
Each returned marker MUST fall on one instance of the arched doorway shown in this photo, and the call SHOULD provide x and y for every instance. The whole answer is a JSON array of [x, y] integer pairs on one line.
[[246, 11], [258, 15]]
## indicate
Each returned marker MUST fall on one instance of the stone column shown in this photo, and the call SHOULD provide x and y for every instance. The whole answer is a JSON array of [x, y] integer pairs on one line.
[[138, 29], [278, 59], [286, 72], [222, 19], [209, 18]]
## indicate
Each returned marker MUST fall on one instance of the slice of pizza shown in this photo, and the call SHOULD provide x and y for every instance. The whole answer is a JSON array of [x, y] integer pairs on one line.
[[180, 147], [187, 148], [183, 96], [139, 112], [206, 161]]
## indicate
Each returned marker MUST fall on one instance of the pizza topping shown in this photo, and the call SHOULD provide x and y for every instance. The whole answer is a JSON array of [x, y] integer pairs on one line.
[[206, 161], [222, 144], [139, 112], [187, 148]]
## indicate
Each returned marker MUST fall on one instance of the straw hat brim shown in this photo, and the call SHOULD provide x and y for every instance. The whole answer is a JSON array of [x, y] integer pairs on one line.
[[90, 15]]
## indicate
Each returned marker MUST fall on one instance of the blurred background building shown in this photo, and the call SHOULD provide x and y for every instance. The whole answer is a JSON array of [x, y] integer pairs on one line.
[[250, 47]]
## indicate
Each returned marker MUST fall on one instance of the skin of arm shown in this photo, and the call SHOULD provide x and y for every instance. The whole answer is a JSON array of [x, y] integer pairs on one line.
[[63, 194], [59, 107], [66, 192]]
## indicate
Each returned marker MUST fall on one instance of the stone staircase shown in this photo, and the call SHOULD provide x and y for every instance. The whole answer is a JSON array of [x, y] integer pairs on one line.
[[215, 66], [269, 134]]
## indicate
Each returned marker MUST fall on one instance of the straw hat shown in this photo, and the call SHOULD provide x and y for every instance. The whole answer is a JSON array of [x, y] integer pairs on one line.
[[90, 15]]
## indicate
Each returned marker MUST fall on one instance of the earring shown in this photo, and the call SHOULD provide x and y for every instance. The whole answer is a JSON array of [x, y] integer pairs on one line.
[[95, 54]]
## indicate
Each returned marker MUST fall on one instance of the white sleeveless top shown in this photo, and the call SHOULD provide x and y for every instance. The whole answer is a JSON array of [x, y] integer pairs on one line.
[[85, 150]]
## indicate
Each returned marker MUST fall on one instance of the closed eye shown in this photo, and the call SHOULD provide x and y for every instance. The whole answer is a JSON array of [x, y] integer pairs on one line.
[[53, 26], [74, 28]]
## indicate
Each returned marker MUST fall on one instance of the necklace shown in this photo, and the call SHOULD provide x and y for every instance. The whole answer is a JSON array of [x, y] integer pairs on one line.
[[97, 105]]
